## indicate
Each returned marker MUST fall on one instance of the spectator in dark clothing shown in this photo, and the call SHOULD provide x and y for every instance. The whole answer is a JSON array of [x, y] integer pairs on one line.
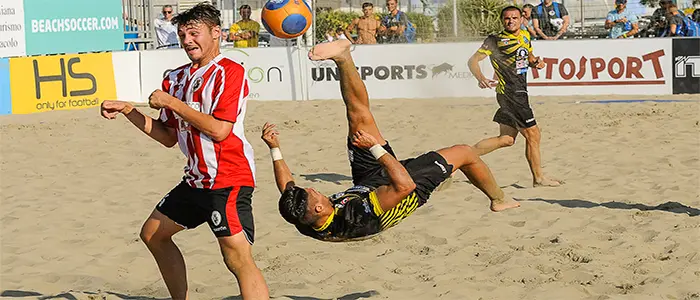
[[393, 26], [674, 20], [550, 20]]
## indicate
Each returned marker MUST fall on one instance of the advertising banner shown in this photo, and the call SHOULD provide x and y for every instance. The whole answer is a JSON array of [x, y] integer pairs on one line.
[[272, 73], [597, 67], [12, 41], [73, 26], [686, 66], [405, 71], [61, 82]]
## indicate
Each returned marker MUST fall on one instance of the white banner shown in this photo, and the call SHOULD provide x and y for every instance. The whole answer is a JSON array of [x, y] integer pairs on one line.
[[272, 73], [127, 75], [12, 40], [405, 71], [598, 67]]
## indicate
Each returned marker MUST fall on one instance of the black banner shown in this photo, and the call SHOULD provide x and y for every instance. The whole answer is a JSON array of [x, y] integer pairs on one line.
[[686, 65]]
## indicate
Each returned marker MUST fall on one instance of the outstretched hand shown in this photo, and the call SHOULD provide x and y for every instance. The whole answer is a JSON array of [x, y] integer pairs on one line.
[[109, 109], [364, 140], [269, 135]]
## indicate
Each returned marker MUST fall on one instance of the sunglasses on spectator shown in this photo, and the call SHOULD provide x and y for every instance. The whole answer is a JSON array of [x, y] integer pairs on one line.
[[167, 11]]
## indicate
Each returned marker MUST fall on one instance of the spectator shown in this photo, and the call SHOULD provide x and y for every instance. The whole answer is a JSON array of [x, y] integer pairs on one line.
[[166, 32], [366, 25], [674, 19], [658, 18], [245, 32], [394, 24], [621, 22], [550, 20], [527, 20], [696, 15]]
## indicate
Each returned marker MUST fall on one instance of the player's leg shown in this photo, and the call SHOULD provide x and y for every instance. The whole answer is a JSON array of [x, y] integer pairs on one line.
[[464, 158], [352, 88], [505, 138], [238, 258], [232, 223], [532, 153], [157, 234]]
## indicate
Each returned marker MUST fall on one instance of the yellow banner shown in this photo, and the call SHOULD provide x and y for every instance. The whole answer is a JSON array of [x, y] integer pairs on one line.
[[61, 82]]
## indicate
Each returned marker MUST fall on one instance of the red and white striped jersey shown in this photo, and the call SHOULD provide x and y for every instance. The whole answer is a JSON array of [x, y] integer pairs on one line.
[[218, 89]]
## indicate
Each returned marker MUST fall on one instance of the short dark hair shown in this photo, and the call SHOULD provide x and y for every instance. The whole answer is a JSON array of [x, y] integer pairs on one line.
[[530, 6], [367, 4], [293, 205], [510, 7], [244, 6], [203, 12]]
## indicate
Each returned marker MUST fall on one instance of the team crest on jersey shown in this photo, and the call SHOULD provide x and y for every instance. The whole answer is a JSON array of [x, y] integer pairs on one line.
[[197, 84], [216, 218]]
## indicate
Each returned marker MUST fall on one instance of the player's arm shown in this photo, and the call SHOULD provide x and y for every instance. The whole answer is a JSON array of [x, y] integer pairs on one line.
[[155, 128], [283, 176], [348, 30], [217, 129], [473, 63], [400, 182], [535, 61]]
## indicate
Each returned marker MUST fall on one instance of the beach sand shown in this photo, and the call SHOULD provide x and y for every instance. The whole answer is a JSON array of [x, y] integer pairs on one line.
[[626, 225]]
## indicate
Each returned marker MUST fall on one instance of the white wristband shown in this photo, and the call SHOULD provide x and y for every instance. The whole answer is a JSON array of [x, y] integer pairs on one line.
[[377, 151], [276, 154]]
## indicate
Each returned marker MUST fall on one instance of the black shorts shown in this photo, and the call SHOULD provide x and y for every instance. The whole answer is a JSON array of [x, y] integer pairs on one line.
[[427, 170], [514, 110], [228, 211]]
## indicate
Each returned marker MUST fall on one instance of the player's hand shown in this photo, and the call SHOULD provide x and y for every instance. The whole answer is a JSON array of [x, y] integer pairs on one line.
[[159, 99], [363, 140], [269, 135], [109, 109], [539, 63], [487, 83]]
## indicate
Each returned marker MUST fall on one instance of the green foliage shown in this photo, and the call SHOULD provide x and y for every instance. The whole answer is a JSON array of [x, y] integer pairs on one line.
[[332, 20], [475, 18], [425, 30]]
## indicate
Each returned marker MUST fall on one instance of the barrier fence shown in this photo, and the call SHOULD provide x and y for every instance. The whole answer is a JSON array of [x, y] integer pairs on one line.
[[420, 71]]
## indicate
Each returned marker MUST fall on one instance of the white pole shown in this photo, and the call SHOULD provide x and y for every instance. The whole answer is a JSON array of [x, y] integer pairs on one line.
[[454, 16]]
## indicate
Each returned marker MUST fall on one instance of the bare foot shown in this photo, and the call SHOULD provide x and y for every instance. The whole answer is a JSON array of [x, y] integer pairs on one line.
[[332, 50], [548, 182], [503, 204]]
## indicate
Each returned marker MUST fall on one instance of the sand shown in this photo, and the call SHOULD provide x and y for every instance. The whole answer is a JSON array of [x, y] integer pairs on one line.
[[76, 189]]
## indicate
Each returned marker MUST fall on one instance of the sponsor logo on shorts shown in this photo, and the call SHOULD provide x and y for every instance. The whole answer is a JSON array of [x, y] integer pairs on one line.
[[529, 120], [217, 229], [216, 218], [441, 167]]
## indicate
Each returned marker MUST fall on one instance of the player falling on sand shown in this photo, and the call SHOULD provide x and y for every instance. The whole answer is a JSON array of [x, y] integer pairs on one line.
[[511, 55], [385, 190], [202, 107]]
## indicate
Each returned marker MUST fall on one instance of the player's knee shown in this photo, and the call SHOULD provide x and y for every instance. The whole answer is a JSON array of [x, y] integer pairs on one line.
[[467, 152], [237, 260], [506, 140], [150, 237], [532, 134]]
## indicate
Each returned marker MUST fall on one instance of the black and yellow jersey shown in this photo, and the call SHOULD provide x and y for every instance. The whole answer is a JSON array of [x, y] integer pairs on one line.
[[357, 215], [509, 58]]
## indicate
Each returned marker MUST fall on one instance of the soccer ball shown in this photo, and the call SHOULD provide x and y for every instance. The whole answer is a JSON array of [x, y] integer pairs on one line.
[[286, 19]]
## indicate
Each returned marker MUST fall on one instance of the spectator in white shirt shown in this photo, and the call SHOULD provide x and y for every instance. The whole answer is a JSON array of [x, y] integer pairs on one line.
[[166, 32]]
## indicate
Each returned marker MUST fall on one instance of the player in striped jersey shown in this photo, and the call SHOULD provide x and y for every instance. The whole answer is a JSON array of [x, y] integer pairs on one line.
[[511, 56], [386, 190], [202, 108]]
